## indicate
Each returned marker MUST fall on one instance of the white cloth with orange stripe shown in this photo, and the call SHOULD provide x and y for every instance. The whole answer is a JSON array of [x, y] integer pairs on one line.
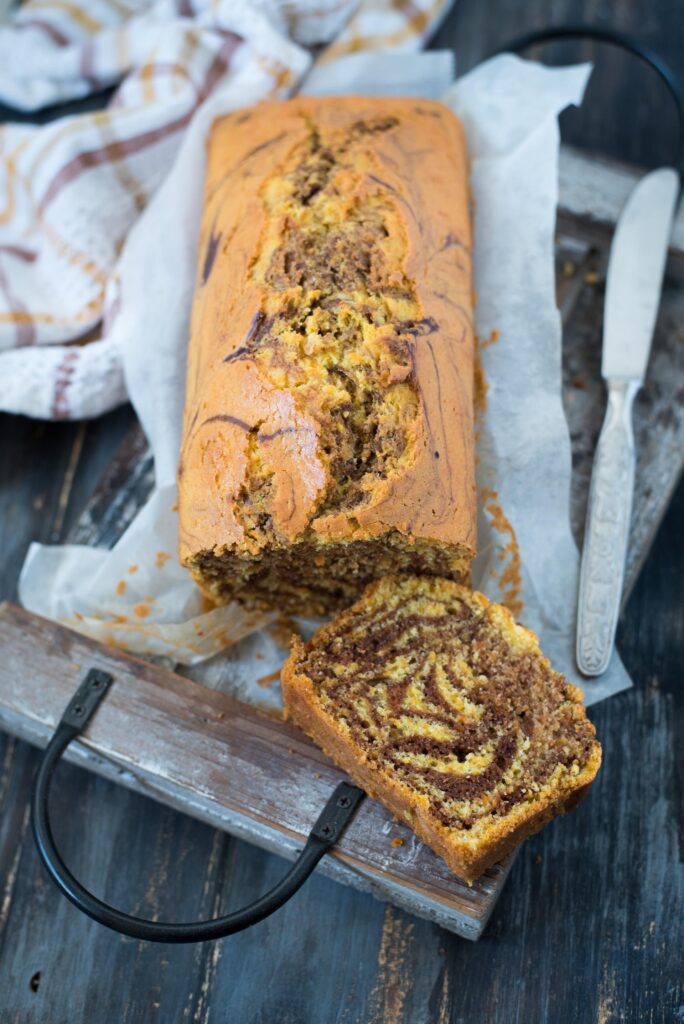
[[72, 190]]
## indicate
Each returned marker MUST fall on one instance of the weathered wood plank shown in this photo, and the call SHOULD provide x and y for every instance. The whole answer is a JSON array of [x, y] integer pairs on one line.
[[123, 490], [35, 502], [56, 965], [223, 762], [592, 191]]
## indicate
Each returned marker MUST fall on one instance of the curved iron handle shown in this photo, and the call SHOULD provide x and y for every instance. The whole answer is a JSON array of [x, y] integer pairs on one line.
[[628, 43], [332, 822]]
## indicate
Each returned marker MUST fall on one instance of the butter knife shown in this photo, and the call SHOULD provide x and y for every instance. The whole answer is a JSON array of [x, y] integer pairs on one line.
[[633, 285]]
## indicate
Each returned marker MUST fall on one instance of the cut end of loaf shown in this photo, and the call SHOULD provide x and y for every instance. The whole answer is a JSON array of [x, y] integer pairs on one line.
[[438, 704], [314, 578]]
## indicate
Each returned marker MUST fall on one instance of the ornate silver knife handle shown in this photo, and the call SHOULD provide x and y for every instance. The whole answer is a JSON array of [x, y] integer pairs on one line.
[[607, 532]]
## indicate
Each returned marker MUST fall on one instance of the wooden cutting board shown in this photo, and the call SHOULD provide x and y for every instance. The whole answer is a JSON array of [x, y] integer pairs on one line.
[[224, 762], [205, 753]]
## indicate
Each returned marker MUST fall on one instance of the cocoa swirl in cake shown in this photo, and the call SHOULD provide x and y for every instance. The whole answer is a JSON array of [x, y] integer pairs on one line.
[[434, 694], [330, 280]]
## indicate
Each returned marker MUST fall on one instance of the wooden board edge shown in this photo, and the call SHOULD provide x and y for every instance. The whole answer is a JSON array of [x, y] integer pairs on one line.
[[336, 866], [595, 189], [434, 900]]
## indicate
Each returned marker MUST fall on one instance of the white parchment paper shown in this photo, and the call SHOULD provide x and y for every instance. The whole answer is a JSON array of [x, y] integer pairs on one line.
[[138, 596]]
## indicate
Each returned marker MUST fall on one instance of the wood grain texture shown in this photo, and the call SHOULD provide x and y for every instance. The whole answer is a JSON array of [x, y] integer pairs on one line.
[[223, 762], [627, 113], [588, 929], [592, 191], [47, 472]]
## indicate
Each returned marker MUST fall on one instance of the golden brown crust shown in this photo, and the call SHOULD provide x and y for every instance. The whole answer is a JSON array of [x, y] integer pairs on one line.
[[467, 854], [242, 422]]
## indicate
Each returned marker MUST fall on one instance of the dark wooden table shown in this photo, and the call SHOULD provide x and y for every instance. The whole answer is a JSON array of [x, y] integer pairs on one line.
[[590, 925]]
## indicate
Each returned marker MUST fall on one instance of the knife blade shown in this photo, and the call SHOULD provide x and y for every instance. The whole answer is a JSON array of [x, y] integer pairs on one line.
[[634, 281]]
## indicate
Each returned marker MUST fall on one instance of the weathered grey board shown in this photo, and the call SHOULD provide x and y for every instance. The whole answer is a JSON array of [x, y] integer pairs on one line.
[[583, 238], [226, 763], [591, 193]]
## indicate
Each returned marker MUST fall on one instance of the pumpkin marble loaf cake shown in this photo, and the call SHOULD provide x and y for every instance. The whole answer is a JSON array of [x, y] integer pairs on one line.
[[438, 704], [328, 433]]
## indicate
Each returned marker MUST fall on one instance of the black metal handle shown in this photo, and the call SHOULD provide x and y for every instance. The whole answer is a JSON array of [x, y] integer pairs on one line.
[[612, 37], [332, 822]]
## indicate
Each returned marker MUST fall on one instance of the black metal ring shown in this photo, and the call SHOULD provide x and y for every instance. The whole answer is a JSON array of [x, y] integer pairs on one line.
[[334, 818], [624, 42]]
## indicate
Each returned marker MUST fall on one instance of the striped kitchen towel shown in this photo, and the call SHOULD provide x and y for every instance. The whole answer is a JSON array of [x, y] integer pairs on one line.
[[71, 191]]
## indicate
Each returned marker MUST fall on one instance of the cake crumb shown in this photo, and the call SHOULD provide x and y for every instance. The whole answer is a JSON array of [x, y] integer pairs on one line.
[[141, 610], [481, 385], [282, 631], [266, 681], [161, 558], [510, 580], [397, 841], [569, 269], [133, 568], [121, 587], [491, 340], [591, 277]]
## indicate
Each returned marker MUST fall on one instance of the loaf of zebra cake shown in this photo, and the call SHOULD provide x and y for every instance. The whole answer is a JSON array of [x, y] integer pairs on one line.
[[328, 433], [438, 704]]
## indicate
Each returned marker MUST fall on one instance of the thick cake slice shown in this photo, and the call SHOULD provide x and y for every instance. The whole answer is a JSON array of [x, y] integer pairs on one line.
[[441, 707]]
